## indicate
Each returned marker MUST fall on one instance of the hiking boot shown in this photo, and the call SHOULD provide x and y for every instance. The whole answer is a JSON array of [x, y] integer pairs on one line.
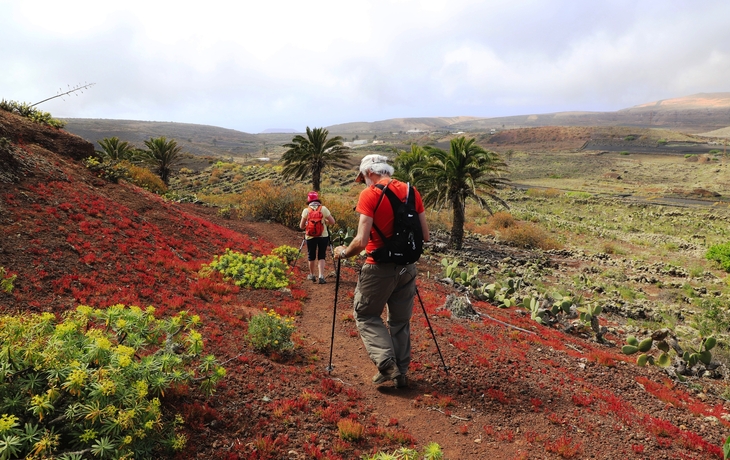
[[321, 280], [401, 381], [389, 373], [311, 277]]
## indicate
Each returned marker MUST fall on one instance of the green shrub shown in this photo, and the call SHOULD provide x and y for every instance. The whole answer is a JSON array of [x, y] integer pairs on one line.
[[432, 451], [26, 110], [624, 152], [114, 170], [286, 253], [6, 281], [225, 212], [91, 382], [270, 331], [265, 272], [110, 171], [720, 253]]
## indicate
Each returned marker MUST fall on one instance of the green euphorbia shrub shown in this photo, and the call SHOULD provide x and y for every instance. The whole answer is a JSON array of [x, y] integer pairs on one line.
[[269, 331], [88, 385], [108, 170], [286, 253], [6, 281], [432, 451], [265, 272]]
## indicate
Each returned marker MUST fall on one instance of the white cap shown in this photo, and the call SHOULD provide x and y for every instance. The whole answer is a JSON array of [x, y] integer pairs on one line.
[[373, 163]]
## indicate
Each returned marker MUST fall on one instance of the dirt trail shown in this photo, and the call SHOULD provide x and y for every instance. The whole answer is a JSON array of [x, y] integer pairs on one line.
[[350, 361]]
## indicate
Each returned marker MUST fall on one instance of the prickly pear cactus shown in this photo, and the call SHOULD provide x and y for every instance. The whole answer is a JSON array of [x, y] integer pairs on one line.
[[689, 362]]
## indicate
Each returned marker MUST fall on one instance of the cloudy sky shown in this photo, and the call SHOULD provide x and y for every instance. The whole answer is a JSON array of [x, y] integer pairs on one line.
[[296, 63]]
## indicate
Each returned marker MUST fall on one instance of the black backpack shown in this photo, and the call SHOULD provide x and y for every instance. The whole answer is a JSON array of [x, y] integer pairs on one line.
[[406, 244]]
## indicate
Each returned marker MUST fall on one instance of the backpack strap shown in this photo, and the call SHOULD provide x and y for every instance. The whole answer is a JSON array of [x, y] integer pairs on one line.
[[394, 203], [383, 188]]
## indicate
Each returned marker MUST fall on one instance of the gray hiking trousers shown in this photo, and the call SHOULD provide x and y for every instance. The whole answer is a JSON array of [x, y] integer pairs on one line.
[[378, 285]]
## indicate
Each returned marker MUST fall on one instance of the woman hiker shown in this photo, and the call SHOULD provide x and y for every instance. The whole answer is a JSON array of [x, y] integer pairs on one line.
[[315, 218]]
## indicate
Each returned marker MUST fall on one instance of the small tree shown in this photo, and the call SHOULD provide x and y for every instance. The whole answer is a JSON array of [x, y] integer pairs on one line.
[[406, 163], [162, 155], [466, 171], [114, 149], [312, 155]]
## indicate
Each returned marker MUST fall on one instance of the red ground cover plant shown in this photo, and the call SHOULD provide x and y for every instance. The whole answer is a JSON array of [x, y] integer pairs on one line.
[[538, 394]]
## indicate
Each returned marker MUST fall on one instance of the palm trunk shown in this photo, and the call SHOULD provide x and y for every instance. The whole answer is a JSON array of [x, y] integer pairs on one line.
[[457, 226], [316, 179]]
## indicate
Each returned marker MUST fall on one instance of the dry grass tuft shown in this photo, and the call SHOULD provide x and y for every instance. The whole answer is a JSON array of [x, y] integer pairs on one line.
[[146, 179], [265, 200], [500, 221], [543, 192], [528, 235]]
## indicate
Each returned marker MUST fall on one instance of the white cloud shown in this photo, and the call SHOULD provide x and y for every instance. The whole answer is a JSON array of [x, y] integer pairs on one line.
[[286, 63]]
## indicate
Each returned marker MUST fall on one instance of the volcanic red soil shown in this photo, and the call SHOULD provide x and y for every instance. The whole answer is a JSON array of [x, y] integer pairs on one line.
[[507, 393]]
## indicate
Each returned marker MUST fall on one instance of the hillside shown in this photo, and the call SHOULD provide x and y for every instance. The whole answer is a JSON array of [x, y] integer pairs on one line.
[[201, 140], [511, 389], [700, 113]]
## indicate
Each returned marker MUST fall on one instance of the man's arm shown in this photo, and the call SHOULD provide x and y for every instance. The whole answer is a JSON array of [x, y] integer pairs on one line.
[[424, 226]]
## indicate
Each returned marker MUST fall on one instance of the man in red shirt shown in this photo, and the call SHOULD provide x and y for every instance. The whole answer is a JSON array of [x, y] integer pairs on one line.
[[383, 283]]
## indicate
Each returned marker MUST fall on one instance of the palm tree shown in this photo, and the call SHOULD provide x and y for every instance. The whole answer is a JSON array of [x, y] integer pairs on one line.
[[466, 171], [116, 150], [162, 155], [312, 155], [406, 163]]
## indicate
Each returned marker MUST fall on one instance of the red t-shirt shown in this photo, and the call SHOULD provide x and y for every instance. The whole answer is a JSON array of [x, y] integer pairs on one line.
[[383, 216]]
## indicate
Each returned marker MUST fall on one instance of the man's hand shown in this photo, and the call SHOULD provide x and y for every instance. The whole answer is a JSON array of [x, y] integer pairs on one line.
[[340, 252]]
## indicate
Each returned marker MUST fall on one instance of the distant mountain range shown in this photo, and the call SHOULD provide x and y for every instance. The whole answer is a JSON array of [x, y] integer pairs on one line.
[[704, 113], [698, 113]]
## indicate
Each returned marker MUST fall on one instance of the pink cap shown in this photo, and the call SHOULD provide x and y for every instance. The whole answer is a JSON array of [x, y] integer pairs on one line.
[[312, 196]]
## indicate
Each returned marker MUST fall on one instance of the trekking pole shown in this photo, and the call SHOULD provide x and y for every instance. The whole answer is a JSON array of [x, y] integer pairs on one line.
[[334, 312], [446, 368], [298, 253]]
